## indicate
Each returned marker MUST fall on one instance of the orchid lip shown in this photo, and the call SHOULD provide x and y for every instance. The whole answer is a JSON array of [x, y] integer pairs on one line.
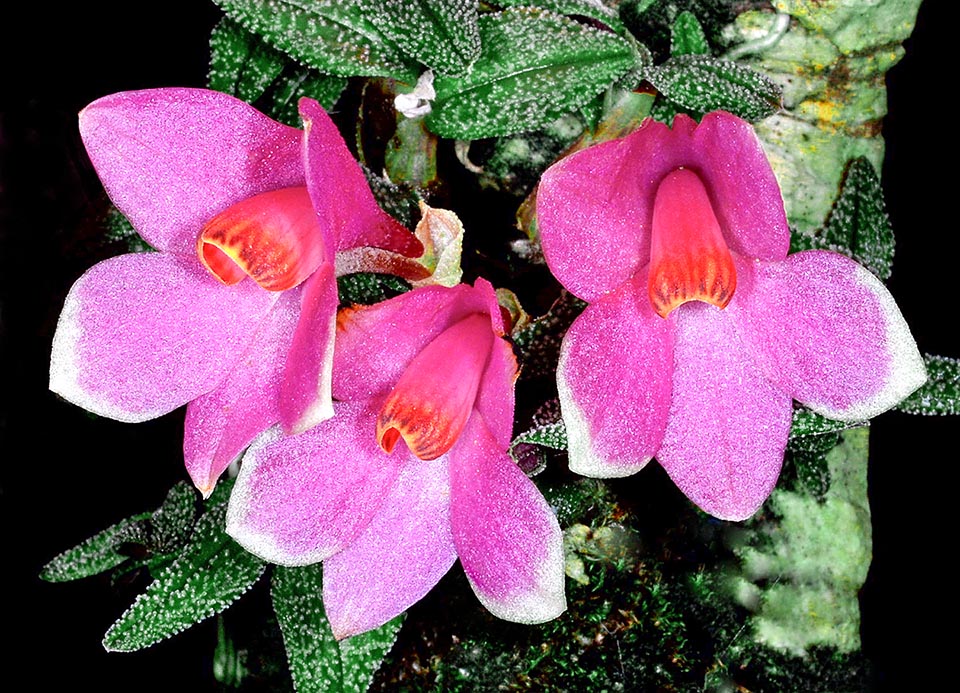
[[431, 402], [689, 258], [274, 238]]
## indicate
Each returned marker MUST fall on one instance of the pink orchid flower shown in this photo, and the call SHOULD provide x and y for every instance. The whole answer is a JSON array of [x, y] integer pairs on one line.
[[223, 193], [701, 330], [411, 473]]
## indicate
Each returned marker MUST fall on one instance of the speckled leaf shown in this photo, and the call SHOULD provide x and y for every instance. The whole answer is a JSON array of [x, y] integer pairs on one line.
[[312, 651], [302, 81], [362, 654], [317, 661], [173, 522], [118, 229], [858, 225], [441, 34], [211, 573], [534, 67], [550, 435], [687, 37], [161, 532], [941, 393], [592, 9], [809, 423], [97, 554], [367, 288], [240, 63], [539, 342], [703, 83], [331, 36]]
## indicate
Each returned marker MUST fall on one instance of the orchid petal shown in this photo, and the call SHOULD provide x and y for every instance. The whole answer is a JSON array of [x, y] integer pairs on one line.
[[431, 402], [221, 423], [728, 425], [398, 558], [507, 537], [590, 217], [273, 238], [300, 499], [827, 332], [376, 343], [614, 381], [305, 398], [495, 399], [171, 159], [349, 215], [141, 335], [595, 207]]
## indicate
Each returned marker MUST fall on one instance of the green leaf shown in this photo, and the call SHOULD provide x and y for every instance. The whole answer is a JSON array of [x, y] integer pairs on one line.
[[97, 554], [539, 342], [809, 423], [228, 662], [441, 34], [703, 83], [534, 67], [312, 651], [362, 654], [591, 9], [173, 522], [858, 225], [367, 288], [161, 532], [211, 573], [302, 81], [240, 63], [411, 155], [331, 36], [118, 229], [941, 393], [687, 37], [546, 430], [243, 65], [317, 661]]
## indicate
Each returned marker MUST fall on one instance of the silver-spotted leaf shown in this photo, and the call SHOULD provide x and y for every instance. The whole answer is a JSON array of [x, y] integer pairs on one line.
[[312, 652], [941, 393], [534, 66], [858, 225], [240, 63], [702, 83], [539, 342], [687, 37], [211, 573], [332, 36], [809, 423], [362, 654], [97, 554], [302, 81], [441, 34], [590, 9], [317, 661], [173, 522]]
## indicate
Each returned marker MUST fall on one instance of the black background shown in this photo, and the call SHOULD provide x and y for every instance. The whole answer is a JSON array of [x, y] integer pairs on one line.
[[66, 476]]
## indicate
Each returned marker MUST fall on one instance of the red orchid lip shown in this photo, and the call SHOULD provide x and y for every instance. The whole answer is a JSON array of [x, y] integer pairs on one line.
[[689, 259], [431, 402], [274, 238]]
